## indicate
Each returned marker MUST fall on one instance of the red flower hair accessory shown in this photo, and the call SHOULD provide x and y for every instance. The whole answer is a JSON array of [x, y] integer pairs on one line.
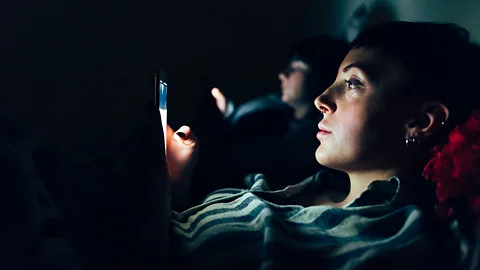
[[455, 167]]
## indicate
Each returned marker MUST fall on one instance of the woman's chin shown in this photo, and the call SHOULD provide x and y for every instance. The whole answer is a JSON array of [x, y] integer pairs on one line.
[[325, 157], [320, 156]]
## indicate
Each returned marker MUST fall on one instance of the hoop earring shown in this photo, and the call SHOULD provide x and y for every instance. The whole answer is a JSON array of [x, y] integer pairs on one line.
[[413, 140]]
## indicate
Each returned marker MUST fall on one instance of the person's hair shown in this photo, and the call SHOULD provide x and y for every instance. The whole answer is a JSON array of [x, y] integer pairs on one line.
[[323, 55], [437, 62]]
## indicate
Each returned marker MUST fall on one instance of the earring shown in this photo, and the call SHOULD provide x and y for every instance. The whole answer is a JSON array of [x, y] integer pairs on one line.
[[411, 140]]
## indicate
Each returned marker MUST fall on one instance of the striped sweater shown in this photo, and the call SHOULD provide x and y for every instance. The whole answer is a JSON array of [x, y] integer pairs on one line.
[[257, 228]]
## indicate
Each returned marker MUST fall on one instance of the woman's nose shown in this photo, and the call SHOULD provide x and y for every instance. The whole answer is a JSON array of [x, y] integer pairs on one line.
[[323, 104], [318, 103]]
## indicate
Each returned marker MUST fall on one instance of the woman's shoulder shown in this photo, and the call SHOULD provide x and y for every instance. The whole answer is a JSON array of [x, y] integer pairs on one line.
[[245, 219]]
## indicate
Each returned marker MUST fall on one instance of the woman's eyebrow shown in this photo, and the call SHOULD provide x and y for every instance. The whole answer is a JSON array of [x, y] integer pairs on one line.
[[370, 70], [354, 65]]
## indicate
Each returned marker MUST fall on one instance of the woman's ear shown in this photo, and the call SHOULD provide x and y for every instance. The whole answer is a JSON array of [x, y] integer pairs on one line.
[[432, 117]]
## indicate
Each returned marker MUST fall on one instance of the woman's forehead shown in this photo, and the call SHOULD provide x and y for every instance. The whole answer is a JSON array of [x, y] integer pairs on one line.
[[376, 66], [364, 56]]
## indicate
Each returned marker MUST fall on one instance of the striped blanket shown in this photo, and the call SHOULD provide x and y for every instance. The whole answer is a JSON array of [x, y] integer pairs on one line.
[[258, 228]]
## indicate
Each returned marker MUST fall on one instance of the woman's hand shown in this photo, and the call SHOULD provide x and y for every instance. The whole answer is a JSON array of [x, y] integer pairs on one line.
[[182, 154]]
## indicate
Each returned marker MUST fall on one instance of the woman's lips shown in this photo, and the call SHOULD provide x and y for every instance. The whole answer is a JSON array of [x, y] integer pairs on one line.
[[324, 131]]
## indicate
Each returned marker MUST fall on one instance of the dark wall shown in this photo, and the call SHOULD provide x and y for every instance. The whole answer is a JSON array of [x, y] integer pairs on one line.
[[78, 73]]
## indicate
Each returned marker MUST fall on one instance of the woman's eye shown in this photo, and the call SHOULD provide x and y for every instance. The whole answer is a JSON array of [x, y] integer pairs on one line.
[[353, 84]]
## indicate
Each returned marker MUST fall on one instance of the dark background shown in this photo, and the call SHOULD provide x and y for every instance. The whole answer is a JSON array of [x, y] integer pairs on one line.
[[78, 73]]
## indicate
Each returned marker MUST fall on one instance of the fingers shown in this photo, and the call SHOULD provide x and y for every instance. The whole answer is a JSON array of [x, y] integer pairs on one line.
[[220, 100], [217, 94], [186, 136]]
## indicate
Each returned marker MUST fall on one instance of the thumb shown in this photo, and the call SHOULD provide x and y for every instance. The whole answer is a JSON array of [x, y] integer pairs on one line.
[[186, 136]]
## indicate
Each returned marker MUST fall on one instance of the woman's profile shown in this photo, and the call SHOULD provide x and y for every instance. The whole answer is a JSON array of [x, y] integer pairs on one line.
[[400, 120]]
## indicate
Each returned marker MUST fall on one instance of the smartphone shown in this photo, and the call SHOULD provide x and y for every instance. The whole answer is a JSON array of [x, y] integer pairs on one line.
[[161, 101]]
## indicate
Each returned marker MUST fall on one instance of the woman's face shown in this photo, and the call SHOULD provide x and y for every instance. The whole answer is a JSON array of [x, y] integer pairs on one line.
[[364, 120]]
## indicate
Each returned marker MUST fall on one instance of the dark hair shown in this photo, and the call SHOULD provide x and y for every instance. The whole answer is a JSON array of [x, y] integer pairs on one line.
[[437, 61], [323, 55]]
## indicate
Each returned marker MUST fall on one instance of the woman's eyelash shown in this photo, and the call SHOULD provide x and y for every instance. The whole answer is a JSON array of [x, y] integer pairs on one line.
[[353, 83]]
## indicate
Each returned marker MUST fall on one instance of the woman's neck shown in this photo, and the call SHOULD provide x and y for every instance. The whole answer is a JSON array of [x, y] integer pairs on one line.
[[360, 180]]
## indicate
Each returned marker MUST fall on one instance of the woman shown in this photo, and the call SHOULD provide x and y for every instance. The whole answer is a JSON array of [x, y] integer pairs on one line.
[[400, 111]]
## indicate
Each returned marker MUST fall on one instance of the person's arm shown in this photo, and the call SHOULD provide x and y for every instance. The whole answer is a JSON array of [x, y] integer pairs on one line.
[[232, 114], [247, 116], [230, 108]]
